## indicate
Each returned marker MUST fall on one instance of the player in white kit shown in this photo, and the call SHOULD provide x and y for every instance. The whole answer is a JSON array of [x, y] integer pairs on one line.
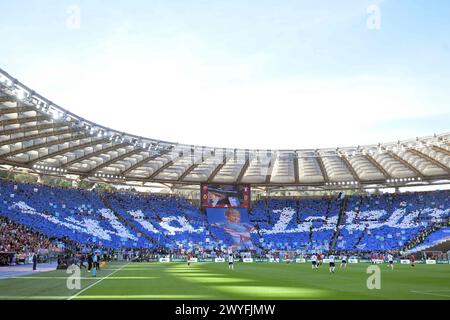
[[391, 261], [314, 261], [344, 261], [231, 262], [332, 263]]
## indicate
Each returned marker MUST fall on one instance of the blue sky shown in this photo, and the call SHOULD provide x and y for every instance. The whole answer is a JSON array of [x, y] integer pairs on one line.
[[256, 74]]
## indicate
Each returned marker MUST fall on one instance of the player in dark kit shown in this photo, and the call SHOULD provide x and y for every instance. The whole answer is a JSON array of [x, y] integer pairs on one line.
[[412, 259]]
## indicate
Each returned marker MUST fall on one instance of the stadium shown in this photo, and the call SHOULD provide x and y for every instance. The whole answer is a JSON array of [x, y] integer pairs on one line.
[[88, 212]]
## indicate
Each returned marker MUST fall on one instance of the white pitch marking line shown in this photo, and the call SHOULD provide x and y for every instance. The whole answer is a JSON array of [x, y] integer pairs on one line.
[[432, 294], [95, 283]]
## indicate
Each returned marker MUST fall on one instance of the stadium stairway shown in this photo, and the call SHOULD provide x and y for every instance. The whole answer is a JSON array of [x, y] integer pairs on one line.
[[123, 220], [360, 237], [212, 234], [340, 220]]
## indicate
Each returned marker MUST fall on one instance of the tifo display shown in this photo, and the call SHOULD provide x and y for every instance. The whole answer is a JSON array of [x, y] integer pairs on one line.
[[130, 220]]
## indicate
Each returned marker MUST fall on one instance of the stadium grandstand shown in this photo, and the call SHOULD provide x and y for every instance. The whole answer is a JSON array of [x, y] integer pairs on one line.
[[70, 187]]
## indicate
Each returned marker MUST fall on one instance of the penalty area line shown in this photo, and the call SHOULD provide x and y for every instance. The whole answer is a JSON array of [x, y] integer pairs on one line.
[[95, 283]]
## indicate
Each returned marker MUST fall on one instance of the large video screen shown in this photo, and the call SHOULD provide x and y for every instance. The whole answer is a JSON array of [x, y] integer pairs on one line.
[[225, 196]]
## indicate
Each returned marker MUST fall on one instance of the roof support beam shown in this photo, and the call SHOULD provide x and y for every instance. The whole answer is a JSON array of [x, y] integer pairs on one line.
[[33, 128], [350, 168], [406, 164], [144, 161], [161, 169], [67, 150], [322, 169], [43, 145], [243, 171], [113, 160], [7, 98], [378, 166], [188, 171], [217, 170], [442, 150], [296, 169], [11, 163], [430, 159], [270, 169], [95, 153], [15, 110], [38, 136], [9, 122]]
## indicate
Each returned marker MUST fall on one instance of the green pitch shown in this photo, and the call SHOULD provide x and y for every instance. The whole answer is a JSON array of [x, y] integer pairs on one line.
[[247, 281]]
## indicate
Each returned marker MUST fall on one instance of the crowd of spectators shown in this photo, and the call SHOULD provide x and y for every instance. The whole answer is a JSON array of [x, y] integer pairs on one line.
[[17, 242]]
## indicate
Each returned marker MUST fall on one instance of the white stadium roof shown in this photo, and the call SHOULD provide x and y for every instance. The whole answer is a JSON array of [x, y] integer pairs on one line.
[[45, 138]]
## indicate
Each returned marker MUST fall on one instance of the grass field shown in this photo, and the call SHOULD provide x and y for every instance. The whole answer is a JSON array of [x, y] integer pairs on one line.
[[247, 281]]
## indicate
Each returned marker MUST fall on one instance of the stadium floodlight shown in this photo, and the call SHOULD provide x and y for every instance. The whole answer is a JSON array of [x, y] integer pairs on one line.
[[57, 114], [21, 94], [6, 81]]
